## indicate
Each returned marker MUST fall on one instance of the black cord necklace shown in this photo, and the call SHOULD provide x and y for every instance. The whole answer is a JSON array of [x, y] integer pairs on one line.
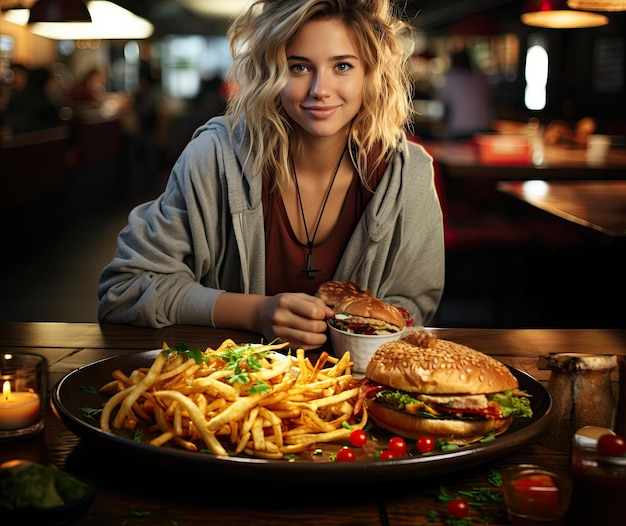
[[310, 271]]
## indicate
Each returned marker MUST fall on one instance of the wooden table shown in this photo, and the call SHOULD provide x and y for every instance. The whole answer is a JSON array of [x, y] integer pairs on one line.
[[599, 205], [141, 495]]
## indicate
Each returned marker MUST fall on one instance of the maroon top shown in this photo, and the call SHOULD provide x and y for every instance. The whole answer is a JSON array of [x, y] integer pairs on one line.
[[286, 257]]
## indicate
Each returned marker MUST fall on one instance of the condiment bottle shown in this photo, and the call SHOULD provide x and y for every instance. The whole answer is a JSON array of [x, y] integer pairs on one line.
[[599, 482], [580, 385]]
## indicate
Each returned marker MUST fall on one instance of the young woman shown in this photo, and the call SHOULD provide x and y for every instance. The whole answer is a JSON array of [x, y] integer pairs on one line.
[[308, 177]]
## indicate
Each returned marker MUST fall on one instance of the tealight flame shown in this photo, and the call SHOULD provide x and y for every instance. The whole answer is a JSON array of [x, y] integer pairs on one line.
[[6, 391]]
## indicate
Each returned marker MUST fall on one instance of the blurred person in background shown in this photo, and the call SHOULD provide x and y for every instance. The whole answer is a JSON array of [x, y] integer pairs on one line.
[[33, 108], [15, 78], [467, 98], [308, 177], [91, 88], [144, 152]]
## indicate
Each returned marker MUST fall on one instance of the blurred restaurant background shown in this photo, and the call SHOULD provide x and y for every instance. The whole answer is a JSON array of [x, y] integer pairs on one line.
[[93, 115]]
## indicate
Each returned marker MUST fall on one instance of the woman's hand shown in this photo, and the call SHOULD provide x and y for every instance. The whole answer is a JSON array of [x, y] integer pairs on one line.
[[296, 318]]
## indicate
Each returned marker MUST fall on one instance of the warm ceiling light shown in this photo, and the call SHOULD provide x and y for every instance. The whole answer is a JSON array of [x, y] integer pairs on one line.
[[555, 14], [109, 22], [598, 5], [216, 8], [59, 11]]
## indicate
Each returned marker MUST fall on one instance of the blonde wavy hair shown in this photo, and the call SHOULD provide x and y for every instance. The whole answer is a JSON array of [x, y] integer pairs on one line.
[[259, 40]]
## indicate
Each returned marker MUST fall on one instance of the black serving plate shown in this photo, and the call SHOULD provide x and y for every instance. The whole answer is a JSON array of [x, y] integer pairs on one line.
[[70, 395]]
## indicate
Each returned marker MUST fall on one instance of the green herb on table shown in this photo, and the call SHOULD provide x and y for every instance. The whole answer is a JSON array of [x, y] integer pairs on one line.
[[487, 502], [90, 389]]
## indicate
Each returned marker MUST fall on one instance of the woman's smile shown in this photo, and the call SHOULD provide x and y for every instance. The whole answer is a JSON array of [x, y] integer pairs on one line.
[[321, 112]]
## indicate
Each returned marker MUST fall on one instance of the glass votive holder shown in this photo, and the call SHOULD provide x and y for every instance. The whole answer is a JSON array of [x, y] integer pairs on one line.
[[23, 388], [535, 496]]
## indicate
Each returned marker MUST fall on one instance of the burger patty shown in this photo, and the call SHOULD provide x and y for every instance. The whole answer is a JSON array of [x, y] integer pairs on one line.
[[358, 324], [496, 405], [478, 401]]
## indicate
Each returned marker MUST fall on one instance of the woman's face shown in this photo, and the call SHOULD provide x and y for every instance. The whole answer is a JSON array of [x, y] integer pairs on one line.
[[326, 75]]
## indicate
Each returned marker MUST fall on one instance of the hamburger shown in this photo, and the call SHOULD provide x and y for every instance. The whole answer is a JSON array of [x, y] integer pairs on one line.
[[335, 291], [368, 315], [443, 390]]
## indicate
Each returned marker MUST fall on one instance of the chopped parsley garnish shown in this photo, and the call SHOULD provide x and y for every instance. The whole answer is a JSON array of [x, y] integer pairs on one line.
[[182, 348], [90, 413], [261, 388], [243, 361]]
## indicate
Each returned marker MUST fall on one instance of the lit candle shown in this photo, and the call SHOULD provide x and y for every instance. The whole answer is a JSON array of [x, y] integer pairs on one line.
[[18, 409]]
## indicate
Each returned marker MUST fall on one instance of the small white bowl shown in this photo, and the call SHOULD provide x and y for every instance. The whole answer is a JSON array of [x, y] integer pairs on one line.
[[360, 346]]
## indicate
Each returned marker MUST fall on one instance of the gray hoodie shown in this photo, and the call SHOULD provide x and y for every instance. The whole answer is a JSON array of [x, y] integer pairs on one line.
[[205, 235]]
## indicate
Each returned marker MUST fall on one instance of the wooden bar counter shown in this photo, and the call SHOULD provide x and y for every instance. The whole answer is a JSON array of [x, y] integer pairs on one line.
[[461, 161], [134, 493]]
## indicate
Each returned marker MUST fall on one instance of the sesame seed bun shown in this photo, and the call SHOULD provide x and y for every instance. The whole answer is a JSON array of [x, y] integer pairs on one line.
[[335, 291], [445, 368], [458, 432]]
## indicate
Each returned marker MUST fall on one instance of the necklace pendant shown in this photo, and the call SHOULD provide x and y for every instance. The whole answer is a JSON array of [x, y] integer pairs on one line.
[[310, 271]]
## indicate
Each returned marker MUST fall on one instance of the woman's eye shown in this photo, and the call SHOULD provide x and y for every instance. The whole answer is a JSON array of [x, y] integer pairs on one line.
[[299, 68], [344, 66]]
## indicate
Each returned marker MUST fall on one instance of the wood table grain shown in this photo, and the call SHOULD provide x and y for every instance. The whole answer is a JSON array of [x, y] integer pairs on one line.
[[599, 205], [136, 493]]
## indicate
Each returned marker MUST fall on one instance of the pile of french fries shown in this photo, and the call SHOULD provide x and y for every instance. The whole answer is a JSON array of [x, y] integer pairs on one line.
[[249, 397]]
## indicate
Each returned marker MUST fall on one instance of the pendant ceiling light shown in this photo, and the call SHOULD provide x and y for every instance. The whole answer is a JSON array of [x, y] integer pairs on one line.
[[59, 11], [109, 21], [216, 8], [598, 5], [555, 14]]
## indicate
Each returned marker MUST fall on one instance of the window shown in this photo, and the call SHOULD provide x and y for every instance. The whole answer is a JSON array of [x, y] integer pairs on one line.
[[536, 74], [187, 61]]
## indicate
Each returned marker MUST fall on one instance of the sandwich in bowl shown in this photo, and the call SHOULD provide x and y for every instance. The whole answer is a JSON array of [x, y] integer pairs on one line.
[[445, 390], [368, 315]]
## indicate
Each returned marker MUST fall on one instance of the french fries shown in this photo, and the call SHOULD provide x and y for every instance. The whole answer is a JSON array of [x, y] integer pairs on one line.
[[237, 399]]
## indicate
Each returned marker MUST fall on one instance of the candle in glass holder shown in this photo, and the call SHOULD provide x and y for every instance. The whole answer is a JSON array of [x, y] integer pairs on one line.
[[23, 388], [18, 409]]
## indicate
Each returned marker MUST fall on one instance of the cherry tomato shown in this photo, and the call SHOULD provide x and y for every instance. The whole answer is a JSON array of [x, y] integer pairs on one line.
[[385, 454], [425, 444], [345, 455], [458, 508], [612, 446], [358, 438], [397, 446]]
